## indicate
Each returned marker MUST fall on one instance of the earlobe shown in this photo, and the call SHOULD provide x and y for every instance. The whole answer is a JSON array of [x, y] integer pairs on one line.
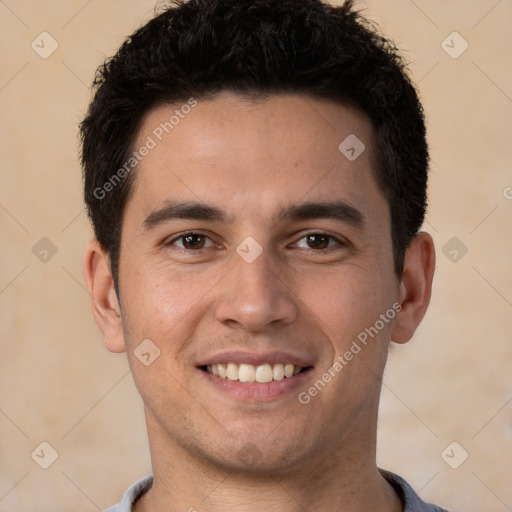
[[105, 306], [415, 287]]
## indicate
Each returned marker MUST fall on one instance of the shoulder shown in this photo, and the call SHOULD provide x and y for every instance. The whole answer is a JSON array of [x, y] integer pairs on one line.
[[412, 502], [132, 494]]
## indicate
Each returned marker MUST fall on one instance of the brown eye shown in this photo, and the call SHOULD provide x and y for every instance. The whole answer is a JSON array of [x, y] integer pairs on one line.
[[193, 241], [318, 241]]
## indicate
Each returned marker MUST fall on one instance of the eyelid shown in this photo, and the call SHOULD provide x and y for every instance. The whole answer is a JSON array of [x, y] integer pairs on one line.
[[341, 241], [170, 240]]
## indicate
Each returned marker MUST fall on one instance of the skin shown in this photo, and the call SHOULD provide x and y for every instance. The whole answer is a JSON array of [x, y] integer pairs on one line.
[[309, 297]]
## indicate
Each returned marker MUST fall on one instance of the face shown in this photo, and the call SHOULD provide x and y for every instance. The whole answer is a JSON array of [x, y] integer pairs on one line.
[[253, 246]]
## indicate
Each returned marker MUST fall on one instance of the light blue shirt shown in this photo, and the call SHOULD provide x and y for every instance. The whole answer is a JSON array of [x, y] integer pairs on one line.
[[412, 502]]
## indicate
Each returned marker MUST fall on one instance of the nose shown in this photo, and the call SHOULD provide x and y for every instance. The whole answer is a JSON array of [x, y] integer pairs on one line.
[[254, 298]]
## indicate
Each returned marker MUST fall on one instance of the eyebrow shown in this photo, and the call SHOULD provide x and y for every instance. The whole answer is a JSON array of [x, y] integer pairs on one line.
[[336, 210], [188, 210]]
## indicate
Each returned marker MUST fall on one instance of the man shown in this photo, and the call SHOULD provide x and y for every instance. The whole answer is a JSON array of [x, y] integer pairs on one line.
[[255, 172]]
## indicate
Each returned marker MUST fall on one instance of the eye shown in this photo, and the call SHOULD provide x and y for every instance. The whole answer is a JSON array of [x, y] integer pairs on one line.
[[191, 241], [318, 241]]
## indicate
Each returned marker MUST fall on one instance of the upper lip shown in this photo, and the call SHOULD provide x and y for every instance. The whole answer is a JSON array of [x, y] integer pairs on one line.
[[257, 358]]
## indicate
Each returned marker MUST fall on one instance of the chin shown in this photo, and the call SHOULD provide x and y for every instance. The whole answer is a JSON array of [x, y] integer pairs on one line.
[[259, 456]]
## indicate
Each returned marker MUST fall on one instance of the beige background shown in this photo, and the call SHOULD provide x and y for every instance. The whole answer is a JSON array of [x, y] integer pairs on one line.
[[59, 384]]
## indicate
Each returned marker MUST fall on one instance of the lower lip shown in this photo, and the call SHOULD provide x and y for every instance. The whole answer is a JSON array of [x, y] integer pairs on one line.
[[257, 391]]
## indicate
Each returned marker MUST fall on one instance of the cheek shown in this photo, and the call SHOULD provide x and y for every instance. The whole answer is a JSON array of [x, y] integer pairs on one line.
[[157, 303], [348, 302], [162, 308]]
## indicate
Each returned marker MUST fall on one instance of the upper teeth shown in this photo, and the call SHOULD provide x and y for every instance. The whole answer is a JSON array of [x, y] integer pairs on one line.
[[250, 373]]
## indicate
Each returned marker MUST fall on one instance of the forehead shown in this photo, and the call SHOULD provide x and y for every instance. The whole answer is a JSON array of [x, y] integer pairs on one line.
[[230, 151]]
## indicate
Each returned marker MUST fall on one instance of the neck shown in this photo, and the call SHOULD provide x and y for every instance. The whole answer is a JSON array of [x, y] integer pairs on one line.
[[342, 479]]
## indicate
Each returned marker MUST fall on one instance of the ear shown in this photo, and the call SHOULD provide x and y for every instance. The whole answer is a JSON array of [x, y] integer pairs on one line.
[[415, 287], [105, 306]]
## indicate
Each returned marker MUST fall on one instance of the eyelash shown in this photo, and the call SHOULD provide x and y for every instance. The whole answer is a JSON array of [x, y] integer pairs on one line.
[[332, 238], [185, 235]]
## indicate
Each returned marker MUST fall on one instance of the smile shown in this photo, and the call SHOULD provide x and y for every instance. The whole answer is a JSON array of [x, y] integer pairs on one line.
[[261, 373]]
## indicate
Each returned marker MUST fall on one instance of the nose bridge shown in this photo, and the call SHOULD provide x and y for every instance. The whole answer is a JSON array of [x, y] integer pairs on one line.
[[253, 297]]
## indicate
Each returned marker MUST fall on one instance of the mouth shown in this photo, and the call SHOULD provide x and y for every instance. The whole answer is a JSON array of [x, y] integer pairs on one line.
[[256, 377], [249, 373]]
